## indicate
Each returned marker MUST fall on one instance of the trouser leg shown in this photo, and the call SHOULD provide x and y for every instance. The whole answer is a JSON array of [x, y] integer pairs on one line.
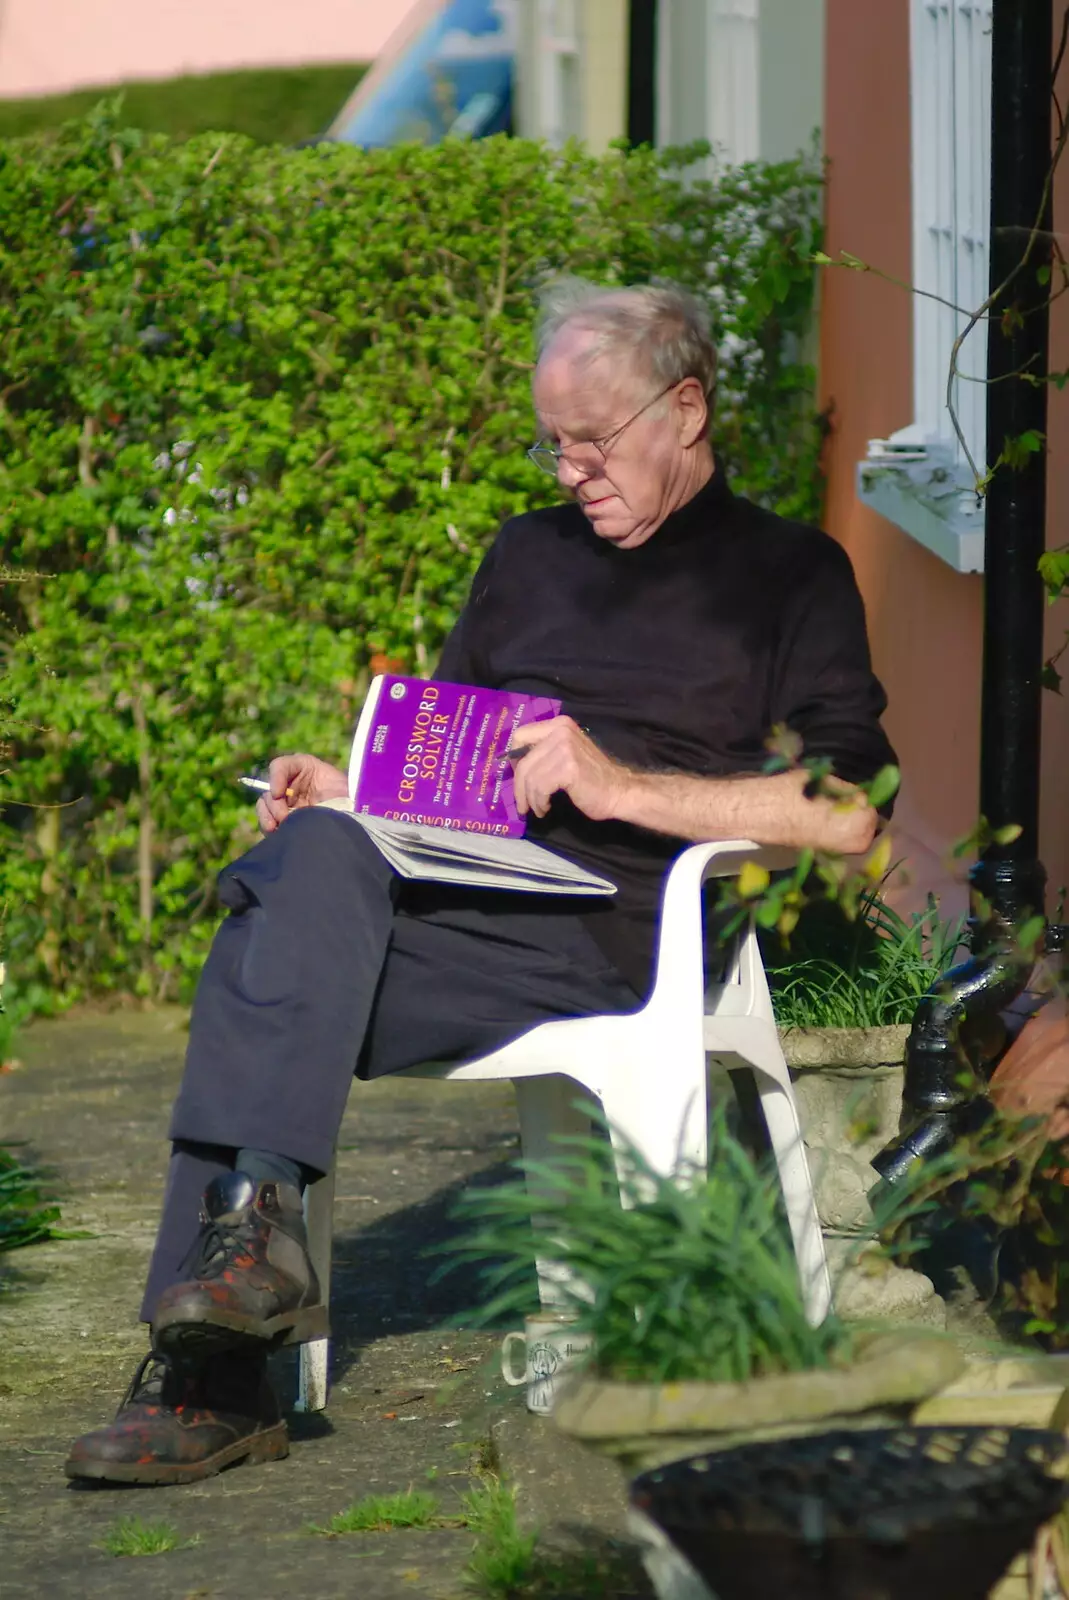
[[280, 1013], [326, 961], [191, 1169], [469, 971], [286, 994]]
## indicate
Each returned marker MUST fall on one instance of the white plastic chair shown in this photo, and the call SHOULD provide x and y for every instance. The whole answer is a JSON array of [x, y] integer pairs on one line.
[[647, 1071]]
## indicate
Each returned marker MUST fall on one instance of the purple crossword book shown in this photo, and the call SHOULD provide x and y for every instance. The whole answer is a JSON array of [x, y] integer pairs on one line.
[[434, 753]]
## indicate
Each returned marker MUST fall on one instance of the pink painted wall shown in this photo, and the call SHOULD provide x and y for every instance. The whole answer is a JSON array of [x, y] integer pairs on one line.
[[48, 46]]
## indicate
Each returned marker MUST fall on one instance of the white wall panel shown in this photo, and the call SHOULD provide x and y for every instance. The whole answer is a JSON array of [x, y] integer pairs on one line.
[[951, 162]]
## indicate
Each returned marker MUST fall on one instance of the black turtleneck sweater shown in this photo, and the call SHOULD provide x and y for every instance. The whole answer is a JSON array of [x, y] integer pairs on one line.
[[680, 655]]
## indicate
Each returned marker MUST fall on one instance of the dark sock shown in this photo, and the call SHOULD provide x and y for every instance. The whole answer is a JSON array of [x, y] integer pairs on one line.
[[266, 1166]]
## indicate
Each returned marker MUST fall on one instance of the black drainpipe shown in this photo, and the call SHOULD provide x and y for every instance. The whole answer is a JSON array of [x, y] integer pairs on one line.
[[642, 72], [955, 1034]]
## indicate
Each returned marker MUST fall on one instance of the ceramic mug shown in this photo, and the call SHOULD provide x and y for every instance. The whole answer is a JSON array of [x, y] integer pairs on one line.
[[551, 1348]]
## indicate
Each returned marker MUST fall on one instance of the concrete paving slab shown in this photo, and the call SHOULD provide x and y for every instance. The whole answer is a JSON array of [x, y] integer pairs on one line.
[[411, 1400]]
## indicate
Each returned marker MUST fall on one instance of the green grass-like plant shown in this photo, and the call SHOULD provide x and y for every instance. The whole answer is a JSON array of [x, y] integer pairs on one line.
[[27, 1216], [691, 1279], [376, 1513], [502, 1563], [505, 1562], [131, 1536], [866, 974]]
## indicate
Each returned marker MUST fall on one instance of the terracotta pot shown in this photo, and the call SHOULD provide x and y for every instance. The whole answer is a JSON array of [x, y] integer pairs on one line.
[[1032, 1079]]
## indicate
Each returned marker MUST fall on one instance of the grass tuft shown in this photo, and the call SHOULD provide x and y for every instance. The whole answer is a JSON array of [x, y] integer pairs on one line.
[[375, 1513], [130, 1536], [502, 1563], [26, 1214], [505, 1563], [866, 974], [694, 1277]]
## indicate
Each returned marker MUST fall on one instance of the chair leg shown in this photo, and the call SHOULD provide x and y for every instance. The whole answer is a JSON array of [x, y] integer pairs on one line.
[[315, 1355], [665, 1120], [548, 1109], [314, 1366], [785, 1134]]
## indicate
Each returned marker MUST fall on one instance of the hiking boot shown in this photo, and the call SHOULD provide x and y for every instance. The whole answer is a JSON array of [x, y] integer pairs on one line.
[[249, 1274], [180, 1423]]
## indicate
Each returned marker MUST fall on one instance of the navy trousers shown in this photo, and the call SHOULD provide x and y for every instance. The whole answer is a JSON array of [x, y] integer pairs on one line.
[[329, 963]]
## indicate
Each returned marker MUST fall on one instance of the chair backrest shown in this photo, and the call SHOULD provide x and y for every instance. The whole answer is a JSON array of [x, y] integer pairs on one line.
[[743, 989], [681, 975]]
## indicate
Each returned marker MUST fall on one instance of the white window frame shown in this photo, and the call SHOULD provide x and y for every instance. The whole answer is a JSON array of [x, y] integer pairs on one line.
[[733, 79], [559, 52], [920, 477], [728, 34]]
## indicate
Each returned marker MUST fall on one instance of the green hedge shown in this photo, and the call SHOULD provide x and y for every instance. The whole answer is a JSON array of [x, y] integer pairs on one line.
[[276, 105], [260, 412]]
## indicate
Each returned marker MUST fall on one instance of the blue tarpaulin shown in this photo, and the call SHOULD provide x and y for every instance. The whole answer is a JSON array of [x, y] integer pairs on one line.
[[448, 70]]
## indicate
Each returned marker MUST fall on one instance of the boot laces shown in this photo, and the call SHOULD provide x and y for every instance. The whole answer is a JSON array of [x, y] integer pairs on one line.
[[150, 1381], [212, 1249]]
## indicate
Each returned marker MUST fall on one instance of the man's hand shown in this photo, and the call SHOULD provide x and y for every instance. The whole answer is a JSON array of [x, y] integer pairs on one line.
[[559, 756], [297, 781], [769, 808]]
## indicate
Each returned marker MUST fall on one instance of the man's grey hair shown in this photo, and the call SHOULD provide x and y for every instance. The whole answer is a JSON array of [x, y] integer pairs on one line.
[[658, 328]]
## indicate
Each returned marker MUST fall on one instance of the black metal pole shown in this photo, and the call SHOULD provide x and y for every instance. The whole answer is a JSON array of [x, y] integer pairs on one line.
[[950, 1052], [642, 72], [1010, 876]]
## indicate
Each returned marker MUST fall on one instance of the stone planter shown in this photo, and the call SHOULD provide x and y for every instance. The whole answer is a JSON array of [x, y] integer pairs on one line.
[[644, 1425], [849, 1087], [848, 1082]]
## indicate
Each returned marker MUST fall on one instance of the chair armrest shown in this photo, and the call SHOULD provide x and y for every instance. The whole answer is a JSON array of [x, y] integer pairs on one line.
[[680, 968]]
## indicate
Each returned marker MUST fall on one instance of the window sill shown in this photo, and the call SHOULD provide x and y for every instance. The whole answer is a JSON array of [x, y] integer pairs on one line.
[[923, 490]]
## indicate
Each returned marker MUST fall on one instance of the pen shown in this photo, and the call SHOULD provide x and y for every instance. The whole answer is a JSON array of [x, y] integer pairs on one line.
[[516, 752]]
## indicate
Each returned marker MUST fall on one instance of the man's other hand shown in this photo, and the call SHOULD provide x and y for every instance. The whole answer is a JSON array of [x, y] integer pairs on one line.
[[559, 756], [297, 781]]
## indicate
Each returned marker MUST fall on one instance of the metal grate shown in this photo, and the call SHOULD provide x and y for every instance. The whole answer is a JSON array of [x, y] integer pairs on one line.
[[882, 1485]]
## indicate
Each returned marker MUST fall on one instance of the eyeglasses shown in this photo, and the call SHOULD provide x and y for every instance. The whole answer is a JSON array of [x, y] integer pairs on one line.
[[549, 456]]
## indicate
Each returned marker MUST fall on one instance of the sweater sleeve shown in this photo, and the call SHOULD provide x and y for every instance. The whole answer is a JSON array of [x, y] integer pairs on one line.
[[825, 689]]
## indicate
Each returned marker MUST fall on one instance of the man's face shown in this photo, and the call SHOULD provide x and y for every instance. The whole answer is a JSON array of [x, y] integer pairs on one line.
[[633, 481]]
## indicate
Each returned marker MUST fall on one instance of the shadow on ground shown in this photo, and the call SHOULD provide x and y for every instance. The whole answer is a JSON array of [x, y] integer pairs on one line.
[[413, 1402], [388, 1277]]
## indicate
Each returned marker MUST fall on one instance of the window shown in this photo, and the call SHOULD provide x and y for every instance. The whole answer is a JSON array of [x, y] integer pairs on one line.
[[920, 477], [560, 60], [951, 103], [708, 55], [733, 91]]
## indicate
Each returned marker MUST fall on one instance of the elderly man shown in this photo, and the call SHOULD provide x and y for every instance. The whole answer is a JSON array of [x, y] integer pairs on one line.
[[678, 625]]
